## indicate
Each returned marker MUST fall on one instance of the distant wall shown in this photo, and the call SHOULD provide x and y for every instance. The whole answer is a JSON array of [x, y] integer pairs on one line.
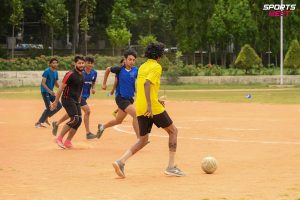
[[33, 78]]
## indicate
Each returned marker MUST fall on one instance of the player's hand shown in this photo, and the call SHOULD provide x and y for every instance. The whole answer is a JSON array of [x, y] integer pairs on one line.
[[53, 106], [112, 93], [104, 86], [162, 102], [93, 91], [52, 93], [148, 113]]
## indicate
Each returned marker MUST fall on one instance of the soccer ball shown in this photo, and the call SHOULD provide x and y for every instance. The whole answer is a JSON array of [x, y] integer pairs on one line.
[[209, 165]]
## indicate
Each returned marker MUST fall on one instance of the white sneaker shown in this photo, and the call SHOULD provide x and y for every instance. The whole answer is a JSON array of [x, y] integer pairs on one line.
[[100, 130], [174, 171]]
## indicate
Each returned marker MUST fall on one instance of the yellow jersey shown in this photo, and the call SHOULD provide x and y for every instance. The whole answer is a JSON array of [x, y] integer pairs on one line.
[[151, 70]]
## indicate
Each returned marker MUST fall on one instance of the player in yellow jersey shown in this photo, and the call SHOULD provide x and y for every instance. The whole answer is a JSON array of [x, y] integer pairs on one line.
[[149, 110]]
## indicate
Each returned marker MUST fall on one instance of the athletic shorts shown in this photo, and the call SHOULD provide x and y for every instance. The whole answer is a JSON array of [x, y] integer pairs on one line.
[[123, 103], [83, 101], [162, 120], [72, 107]]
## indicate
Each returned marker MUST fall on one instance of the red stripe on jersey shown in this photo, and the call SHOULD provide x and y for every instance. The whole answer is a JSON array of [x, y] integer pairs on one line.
[[67, 77]]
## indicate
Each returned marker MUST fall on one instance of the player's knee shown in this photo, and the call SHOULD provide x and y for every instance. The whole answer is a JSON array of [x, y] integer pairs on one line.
[[87, 112], [75, 122], [172, 130], [79, 120], [118, 121], [143, 140]]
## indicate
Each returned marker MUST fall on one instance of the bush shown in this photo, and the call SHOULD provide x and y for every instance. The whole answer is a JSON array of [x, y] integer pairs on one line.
[[212, 70], [248, 59], [65, 63], [292, 57]]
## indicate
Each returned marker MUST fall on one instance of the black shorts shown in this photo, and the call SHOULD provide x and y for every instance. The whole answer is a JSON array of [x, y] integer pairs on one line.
[[83, 101], [72, 107], [123, 103], [162, 120]]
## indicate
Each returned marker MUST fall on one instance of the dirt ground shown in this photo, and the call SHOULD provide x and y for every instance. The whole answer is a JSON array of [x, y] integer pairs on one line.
[[257, 147]]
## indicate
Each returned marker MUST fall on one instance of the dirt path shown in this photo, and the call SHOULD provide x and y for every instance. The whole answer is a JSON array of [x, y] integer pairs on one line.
[[257, 147]]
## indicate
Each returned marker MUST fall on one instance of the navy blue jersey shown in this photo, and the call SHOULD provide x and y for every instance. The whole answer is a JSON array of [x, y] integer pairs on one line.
[[51, 78], [89, 79], [126, 81]]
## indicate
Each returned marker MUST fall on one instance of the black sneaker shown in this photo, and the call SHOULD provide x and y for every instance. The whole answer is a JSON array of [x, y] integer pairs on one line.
[[100, 130], [90, 136], [54, 128], [119, 168]]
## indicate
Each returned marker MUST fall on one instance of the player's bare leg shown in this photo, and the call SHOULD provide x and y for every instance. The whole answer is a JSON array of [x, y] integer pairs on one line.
[[172, 170], [131, 111]]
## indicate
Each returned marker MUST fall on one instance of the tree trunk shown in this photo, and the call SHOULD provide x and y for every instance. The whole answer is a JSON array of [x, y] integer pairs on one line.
[[13, 42], [216, 60], [113, 50], [52, 42], [225, 59], [209, 57], [75, 28], [85, 43]]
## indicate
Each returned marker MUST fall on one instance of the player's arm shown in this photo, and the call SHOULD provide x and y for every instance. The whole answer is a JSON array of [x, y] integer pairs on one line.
[[58, 94], [79, 99], [107, 71], [46, 87], [93, 87], [147, 94], [56, 84], [94, 84], [114, 86]]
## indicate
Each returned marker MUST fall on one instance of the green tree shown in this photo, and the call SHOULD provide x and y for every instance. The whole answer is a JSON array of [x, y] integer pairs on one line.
[[218, 34], [292, 57], [54, 15], [191, 23], [119, 37], [15, 18], [247, 59], [88, 7], [121, 15], [240, 22], [145, 40], [121, 18]]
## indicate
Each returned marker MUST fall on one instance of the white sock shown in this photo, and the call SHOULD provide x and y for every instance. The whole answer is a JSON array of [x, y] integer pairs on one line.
[[171, 159], [125, 156]]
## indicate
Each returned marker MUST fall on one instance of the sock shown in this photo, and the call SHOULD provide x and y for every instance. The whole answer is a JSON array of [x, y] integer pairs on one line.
[[171, 159], [126, 155]]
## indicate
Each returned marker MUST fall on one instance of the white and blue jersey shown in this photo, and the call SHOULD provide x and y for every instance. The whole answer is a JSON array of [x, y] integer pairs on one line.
[[126, 81], [51, 78], [89, 79]]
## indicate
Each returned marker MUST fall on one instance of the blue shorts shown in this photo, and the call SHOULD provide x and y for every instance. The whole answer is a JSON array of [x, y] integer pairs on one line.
[[83, 101]]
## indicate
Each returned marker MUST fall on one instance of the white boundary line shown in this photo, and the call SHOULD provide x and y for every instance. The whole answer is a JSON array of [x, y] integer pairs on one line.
[[214, 139]]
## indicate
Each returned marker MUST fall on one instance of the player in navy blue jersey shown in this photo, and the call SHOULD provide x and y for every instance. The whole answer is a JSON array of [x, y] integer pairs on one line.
[[125, 92], [90, 77]]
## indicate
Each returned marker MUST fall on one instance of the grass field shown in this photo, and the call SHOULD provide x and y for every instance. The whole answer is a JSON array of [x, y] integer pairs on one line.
[[193, 92]]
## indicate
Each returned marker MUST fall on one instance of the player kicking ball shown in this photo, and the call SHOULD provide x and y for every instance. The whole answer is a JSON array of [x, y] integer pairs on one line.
[[150, 110]]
